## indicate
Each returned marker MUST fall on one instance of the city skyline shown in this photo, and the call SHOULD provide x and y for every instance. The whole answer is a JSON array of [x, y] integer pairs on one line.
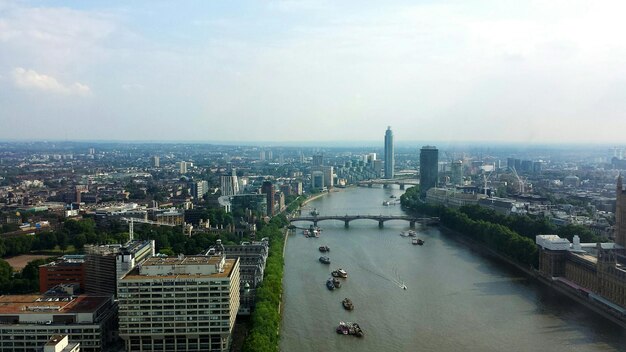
[[504, 72]]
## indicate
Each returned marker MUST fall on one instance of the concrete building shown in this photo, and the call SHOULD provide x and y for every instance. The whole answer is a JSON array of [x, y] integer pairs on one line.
[[389, 155], [61, 343], [28, 321], [156, 161], [179, 304], [456, 171], [317, 179], [105, 264], [68, 270], [429, 173]]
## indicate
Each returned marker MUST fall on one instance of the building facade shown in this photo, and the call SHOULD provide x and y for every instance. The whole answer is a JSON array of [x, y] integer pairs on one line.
[[620, 213], [27, 322], [429, 172], [389, 154], [65, 271], [179, 304]]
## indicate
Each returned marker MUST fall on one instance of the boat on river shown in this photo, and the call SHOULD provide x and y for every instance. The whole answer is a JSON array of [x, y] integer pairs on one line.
[[336, 282], [324, 260], [329, 284], [417, 241], [348, 328], [324, 249], [347, 304], [339, 273]]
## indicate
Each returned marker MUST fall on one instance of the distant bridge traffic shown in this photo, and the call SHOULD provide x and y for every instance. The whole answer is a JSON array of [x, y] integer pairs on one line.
[[380, 218]]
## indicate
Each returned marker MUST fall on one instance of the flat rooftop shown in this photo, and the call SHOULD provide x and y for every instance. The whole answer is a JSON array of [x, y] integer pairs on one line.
[[175, 261], [38, 304]]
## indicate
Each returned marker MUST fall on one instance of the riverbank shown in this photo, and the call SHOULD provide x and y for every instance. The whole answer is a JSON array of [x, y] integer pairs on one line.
[[535, 275]]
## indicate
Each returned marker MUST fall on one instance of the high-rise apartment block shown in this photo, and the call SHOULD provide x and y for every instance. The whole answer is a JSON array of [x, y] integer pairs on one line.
[[429, 172], [179, 304], [156, 162], [229, 185], [389, 155]]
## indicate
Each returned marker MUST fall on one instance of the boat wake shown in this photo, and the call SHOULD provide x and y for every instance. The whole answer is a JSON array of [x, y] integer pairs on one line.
[[395, 280]]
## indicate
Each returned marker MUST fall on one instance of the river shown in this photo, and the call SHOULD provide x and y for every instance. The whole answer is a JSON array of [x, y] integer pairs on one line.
[[456, 299]]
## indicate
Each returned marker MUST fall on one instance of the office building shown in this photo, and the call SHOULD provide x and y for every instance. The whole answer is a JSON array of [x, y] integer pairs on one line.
[[429, 173], [317, 180], [457, 173], [28, 321], [105, 264], [156, 162], [268, 190], [389, 156], [318, 160], [68, 270], [179, 304]]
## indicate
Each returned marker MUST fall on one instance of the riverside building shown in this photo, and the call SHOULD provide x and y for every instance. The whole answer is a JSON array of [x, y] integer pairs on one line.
[[179, 304]]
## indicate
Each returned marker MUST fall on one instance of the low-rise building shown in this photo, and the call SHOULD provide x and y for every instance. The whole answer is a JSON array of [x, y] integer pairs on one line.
[[28, 321]]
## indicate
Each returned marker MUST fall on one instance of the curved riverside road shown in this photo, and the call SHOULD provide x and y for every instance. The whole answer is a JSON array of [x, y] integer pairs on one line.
[[457, 300]]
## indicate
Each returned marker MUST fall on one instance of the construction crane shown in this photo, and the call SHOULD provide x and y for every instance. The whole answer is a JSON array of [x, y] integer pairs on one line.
[[520, 181], [131, 225], [485, 180]]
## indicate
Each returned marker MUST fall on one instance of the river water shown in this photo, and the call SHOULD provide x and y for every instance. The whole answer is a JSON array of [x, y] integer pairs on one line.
[[456, 299]]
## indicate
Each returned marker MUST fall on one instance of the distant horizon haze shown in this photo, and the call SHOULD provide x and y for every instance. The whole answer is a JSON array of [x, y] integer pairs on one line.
[[292, 71]]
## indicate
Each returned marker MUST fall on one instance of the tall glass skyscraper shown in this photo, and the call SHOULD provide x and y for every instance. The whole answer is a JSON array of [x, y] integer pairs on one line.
[[429, 172], [389, 158]]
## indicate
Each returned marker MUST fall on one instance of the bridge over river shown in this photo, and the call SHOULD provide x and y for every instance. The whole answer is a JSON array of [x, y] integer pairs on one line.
[[402, 182], [380, 218]]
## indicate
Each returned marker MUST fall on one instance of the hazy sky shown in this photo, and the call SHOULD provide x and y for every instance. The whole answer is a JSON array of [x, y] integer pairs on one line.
[[531, 71]]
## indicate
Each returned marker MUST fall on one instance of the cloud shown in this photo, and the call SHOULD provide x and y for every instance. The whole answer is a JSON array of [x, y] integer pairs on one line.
[[30, 79]]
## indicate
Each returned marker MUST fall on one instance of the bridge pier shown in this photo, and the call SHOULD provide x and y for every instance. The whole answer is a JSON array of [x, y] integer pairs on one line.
[[402, 186], [315, 223], [380, 223], [412, 224], [369, 185], [346, 223]]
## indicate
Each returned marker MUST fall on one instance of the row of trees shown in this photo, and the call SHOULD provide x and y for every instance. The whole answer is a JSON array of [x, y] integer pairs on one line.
[[26, 281], [472, 222], [264, 335]]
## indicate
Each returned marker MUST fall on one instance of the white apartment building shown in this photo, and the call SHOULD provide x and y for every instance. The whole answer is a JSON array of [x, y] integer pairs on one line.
[[179, 304]]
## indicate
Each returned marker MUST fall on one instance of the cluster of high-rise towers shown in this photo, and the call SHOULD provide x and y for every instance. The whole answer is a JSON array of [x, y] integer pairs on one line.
[[429, 163]]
